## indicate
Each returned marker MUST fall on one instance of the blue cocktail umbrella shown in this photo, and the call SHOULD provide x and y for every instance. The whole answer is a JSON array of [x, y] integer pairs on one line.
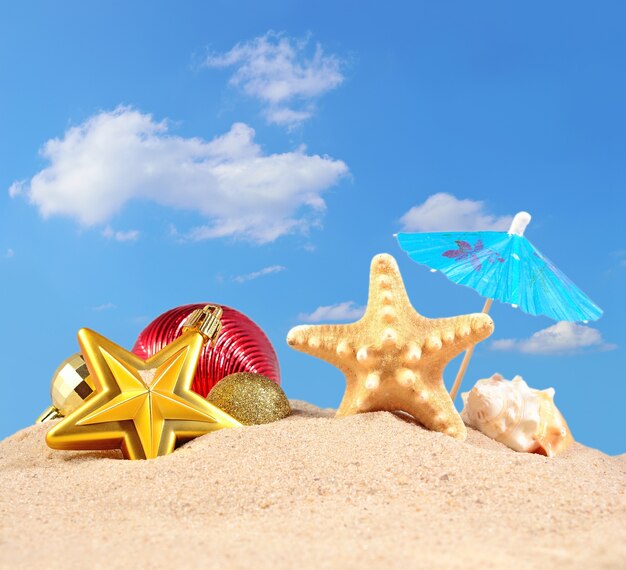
[[503, 266]]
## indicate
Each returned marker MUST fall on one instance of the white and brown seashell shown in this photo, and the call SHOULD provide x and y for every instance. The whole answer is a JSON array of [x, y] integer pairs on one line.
[[522, 418]]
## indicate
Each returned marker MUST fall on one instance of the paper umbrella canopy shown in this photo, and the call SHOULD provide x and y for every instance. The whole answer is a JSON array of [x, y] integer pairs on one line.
[[503, 266]]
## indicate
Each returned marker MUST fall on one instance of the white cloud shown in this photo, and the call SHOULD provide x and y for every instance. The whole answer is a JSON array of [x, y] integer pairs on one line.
[[560, 338], [278, 71], [129, 235], [16, 188], [116, 157], [260, 273], [104, 307], [444, 212], [346, 311], [10, 253]]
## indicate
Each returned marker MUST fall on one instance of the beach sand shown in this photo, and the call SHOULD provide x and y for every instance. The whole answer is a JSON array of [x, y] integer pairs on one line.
[[368, 491]]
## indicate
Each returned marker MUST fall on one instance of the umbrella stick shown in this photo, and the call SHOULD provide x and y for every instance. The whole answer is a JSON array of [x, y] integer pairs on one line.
[[467, 358]]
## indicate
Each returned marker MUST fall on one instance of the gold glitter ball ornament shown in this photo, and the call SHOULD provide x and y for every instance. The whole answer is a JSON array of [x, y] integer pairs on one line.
[[250, 398]]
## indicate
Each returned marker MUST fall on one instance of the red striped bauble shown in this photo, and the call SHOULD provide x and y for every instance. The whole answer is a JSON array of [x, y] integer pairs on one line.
[[241, 347]]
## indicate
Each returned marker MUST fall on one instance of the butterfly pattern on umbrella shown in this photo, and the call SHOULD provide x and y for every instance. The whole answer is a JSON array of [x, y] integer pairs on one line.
[[466, 251]]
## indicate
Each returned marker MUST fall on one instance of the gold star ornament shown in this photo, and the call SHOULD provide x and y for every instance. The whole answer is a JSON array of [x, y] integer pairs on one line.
[[145, 408], [393, 358]]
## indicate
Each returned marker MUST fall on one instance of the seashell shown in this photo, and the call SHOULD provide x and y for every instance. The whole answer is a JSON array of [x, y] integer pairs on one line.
[[516, 415]]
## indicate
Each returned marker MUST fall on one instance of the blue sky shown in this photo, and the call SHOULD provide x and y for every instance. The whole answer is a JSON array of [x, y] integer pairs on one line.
[[166, 153]]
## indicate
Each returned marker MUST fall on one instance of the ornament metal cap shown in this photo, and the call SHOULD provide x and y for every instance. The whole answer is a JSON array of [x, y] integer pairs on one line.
[[50, 413], [207, 321]]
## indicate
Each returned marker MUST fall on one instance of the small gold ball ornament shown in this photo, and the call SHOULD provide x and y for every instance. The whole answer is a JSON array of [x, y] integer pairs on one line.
[[250, 398], [69, 387]]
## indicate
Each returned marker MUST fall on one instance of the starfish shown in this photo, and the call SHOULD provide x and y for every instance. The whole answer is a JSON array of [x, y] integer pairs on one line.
[[393, 357], [142, 407]]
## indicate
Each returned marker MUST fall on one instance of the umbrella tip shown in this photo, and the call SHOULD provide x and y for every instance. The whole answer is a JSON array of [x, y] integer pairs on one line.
[[519, 223]]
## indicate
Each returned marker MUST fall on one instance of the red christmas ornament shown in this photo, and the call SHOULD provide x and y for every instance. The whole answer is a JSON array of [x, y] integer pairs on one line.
[[241, 347]]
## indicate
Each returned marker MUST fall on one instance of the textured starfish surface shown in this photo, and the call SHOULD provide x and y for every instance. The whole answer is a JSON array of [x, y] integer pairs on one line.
[[393, 357], [141, 407]]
